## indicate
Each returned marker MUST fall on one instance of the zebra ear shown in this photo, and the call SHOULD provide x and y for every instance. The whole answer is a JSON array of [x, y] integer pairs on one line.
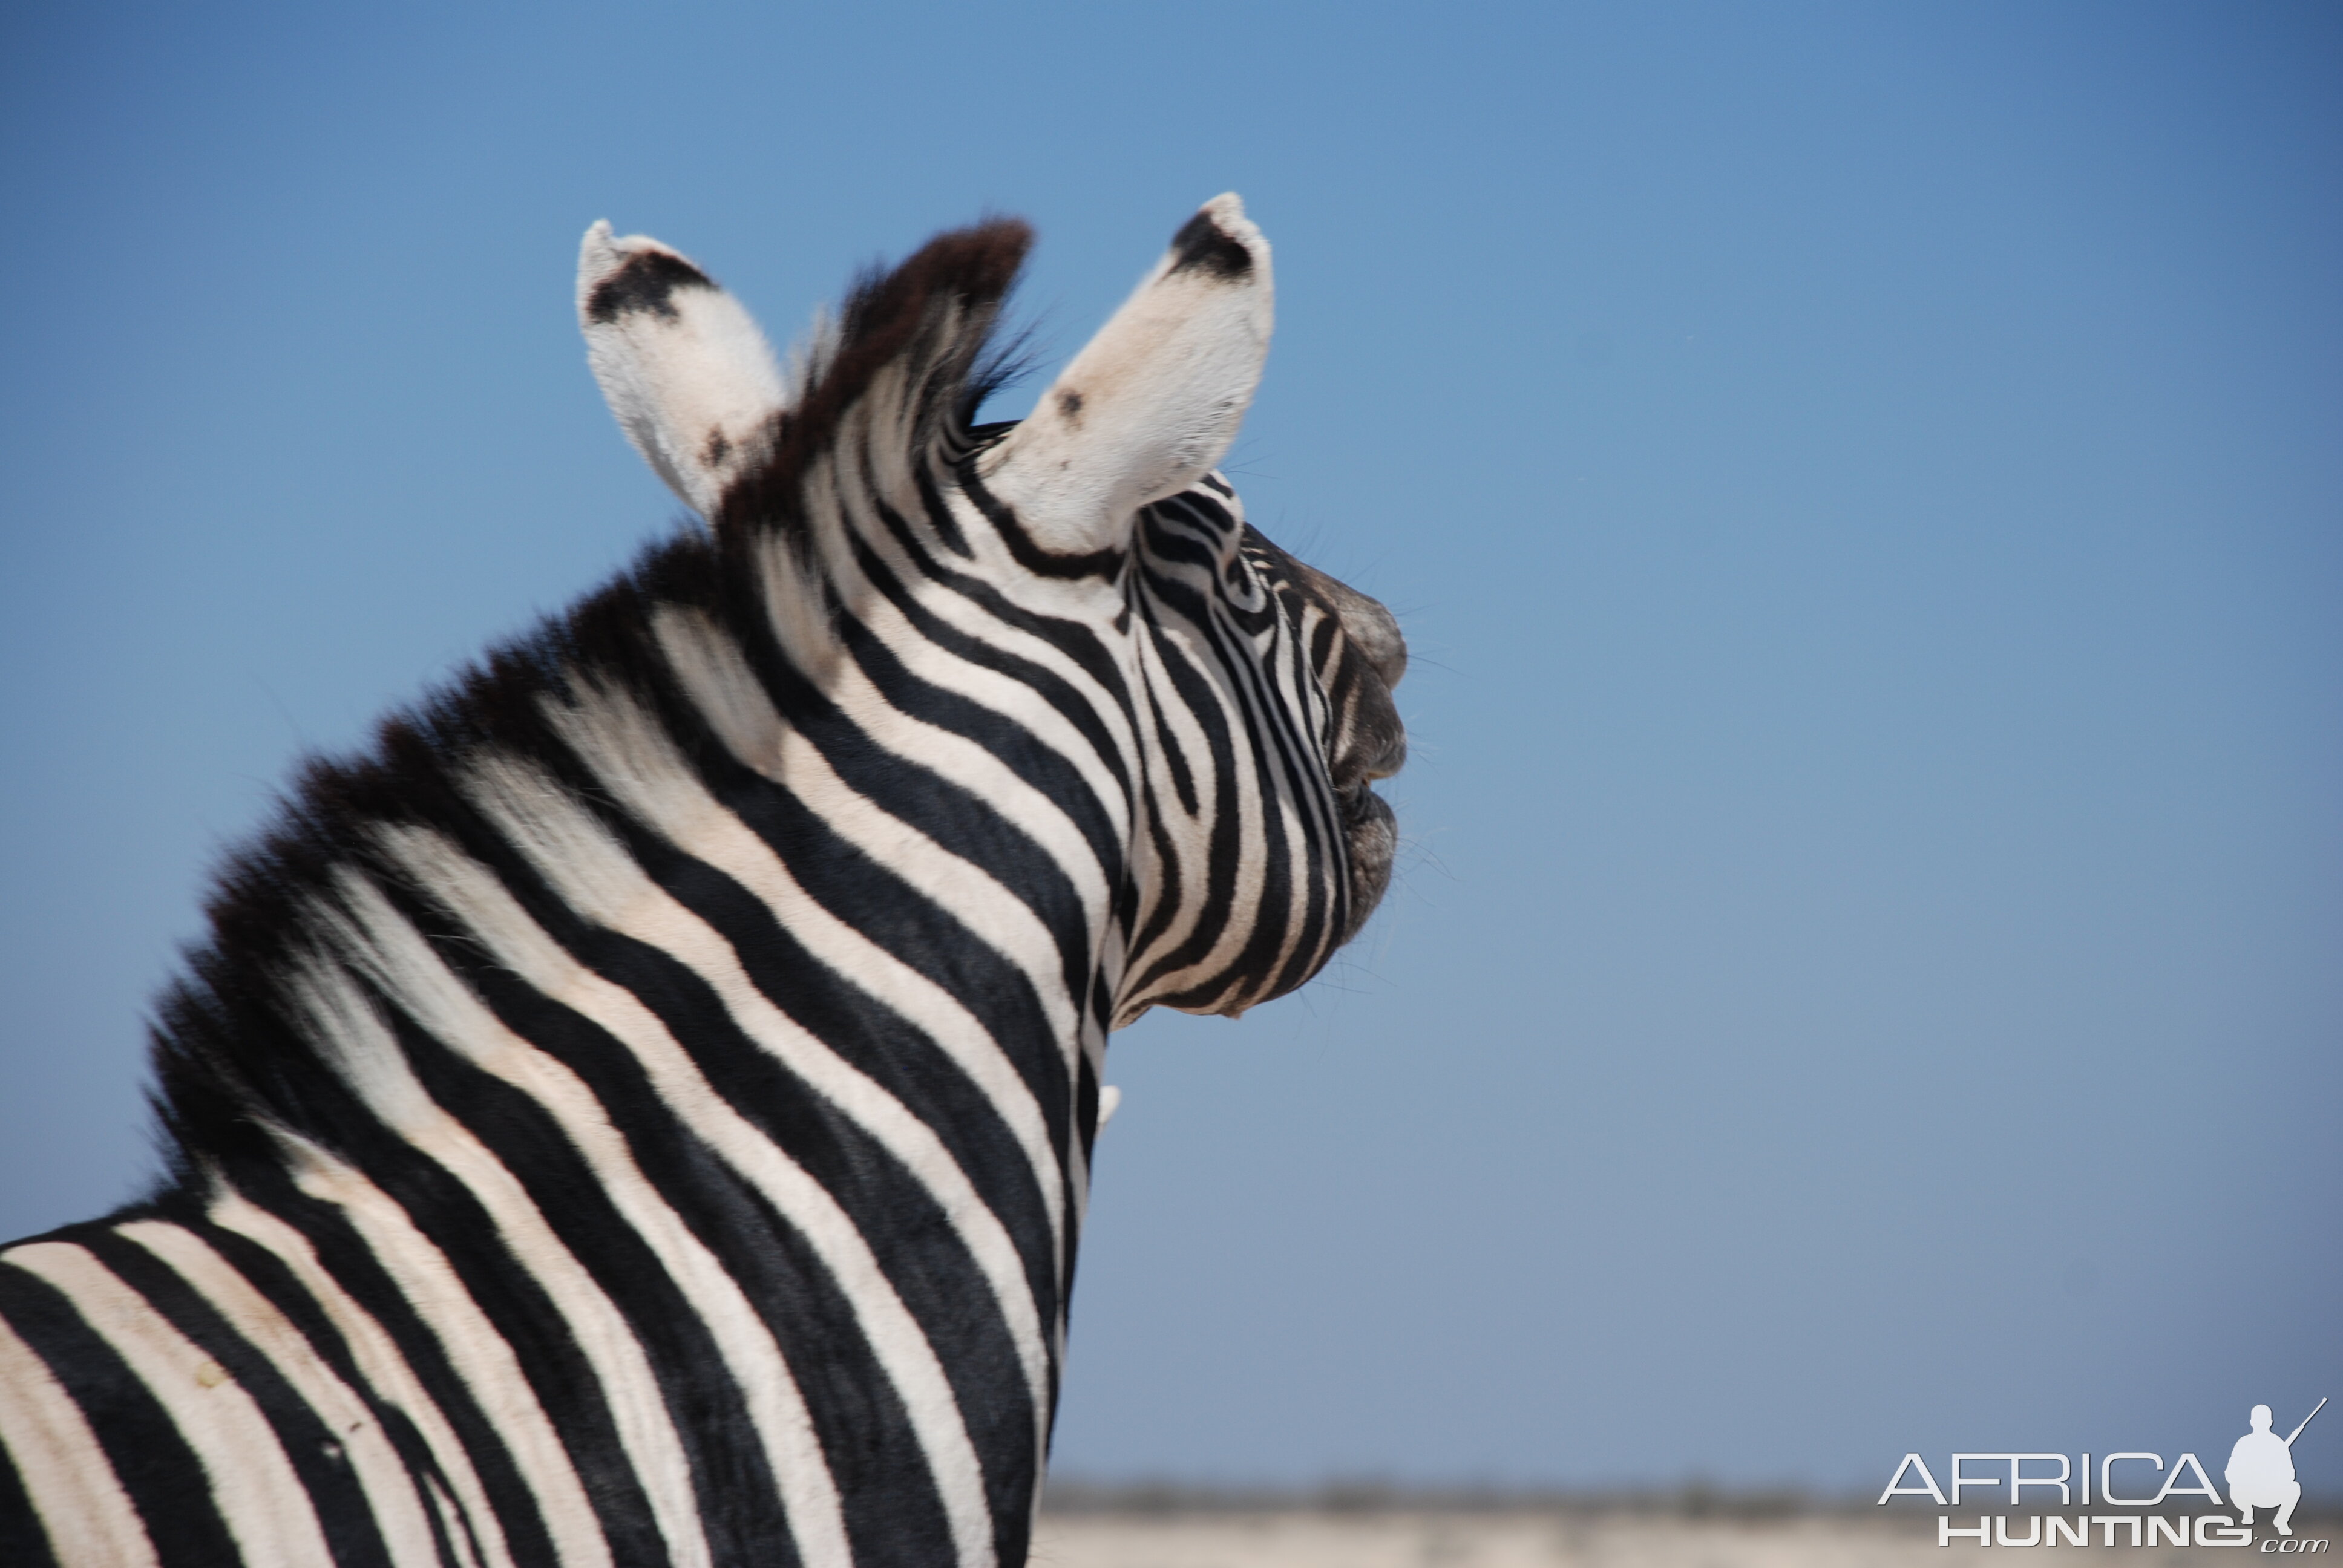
[[685, 369], [1152, 403]]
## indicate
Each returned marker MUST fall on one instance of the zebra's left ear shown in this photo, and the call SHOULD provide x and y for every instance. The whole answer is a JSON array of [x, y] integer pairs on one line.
[[689, 376], [1152, 403]]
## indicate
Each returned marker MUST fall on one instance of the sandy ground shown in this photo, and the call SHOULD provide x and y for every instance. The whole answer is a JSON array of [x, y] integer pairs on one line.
[[1544, 1539]]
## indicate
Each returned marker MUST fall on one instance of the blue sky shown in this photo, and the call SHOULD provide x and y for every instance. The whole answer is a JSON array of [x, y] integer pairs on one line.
[[1863, 487]]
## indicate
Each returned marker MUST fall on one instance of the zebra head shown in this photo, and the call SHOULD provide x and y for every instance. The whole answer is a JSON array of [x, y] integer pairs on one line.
[[1211, 712]]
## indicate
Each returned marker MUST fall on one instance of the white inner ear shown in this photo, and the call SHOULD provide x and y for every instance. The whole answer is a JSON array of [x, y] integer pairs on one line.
[[691, 379], [1152, 403]]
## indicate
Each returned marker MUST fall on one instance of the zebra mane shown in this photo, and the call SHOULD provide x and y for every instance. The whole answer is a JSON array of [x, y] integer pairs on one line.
[[887, 388], [927, 322]]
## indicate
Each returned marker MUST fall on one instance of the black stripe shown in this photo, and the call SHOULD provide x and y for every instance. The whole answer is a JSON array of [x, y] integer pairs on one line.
[[922, 1254], [739, 1502], [1183, 778], [931, 498], [860, 1028], [645, 282], [1079, 640], [1225, 845], [444, 1210], [267, 1274], [1050, 772], [314, 1447], [905, 922], [160, 1472], [344, 1255], [890, 1505], [1279, 779], [1202, 245], [1290, 776], [22, 1539], [1168, 892], [1033, 556], [862, 894]]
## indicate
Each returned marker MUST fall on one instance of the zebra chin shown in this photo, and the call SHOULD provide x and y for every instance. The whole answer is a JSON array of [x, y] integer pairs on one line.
[[1371, 832]]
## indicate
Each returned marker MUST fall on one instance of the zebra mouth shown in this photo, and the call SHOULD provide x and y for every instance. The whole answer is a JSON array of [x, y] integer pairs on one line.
[[1370, 833]]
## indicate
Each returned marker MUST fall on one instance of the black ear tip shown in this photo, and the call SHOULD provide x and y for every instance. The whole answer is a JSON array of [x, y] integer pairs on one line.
[[1203, 243], [644, 282]]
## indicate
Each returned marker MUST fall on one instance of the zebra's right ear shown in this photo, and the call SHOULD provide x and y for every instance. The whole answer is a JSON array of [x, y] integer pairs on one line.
[[1152, 403], [685, 369]]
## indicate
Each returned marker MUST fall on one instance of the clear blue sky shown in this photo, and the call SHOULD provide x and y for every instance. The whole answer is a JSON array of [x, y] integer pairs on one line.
[[1864, 486]]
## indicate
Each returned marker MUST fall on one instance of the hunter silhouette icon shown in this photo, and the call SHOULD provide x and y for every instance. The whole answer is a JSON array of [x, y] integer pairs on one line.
[[2261, 1470]]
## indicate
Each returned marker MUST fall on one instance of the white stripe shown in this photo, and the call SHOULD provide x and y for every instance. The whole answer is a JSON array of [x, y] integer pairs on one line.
[[460, 1544], [379, 1363], [1217, 795], [1010, 696], [412, 973], [381, 1475], [635, 759], [658, 787], [713, 670], [472, 1344], [604, 730], [253, 1483], [354, 1040], [90, 1521], [1088, 601], [598, 878], [473, 895], [1093, 601], [950, 755]]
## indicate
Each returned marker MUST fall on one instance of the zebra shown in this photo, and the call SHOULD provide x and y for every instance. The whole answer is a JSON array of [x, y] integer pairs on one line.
[[641, 1110]]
